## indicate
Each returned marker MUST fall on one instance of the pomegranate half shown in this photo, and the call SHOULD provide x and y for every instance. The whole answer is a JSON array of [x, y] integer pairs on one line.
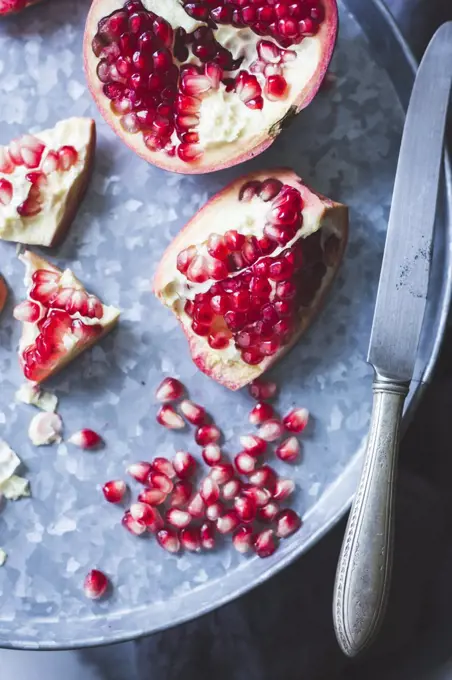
[[199, 85], [14, 6], [43, 179], [246, 276], [60, 319]]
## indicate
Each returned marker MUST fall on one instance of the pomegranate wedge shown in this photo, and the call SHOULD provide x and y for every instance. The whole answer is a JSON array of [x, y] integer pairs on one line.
[[13, 6], [252, 266], [43, 179], [67, 321], [196, 86]]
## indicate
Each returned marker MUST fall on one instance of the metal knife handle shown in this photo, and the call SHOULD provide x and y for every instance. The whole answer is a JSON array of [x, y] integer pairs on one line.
[[364, 569]]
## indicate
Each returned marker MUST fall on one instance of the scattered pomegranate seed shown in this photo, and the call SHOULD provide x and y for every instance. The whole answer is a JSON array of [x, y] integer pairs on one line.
[[178, 518], [244, 463], [190, 539], [152, 497], [184, 464], [260, 413], [95, 585], [136, 527], [6, 192], [181, 494], [207, 434], [147, 515], [259, 495], [207, 535], [268, 512], [231, 489], [169, 390], [194, 413], [265, 476], [209, 490], [157, 480], [264, 543], [211, 454], [222, 473], [228, 522], [86, 439], [283, 489], [289, 450], [242, 539], [169, 540], [253, 445], [197, 507], [245, 508], [114, 491], [164, 466], [139, 471], [296, 420], [287, 523], [168, 417], [271, 430], [215, 510], [259, 389]]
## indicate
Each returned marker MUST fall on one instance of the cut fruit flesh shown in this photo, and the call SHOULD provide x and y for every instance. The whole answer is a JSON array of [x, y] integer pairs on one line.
[[43, 179], [284, 244], [198, 86], [14, 6], [70, 319]]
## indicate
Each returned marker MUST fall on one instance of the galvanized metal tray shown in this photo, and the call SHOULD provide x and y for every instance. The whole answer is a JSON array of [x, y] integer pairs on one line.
[[345, 144]]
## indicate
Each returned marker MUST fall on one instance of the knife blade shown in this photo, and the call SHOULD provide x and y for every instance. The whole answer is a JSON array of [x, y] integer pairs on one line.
[[402, 290], [364, 569]]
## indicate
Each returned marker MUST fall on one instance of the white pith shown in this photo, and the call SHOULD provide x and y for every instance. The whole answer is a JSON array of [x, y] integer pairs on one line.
[[32, 394], [45, 429], [12, 487], [41, 229]]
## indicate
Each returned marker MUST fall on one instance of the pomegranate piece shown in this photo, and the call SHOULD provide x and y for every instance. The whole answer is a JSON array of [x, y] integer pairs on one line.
[[231, 489], [245, 508], [140, 471], [209, 490], [96, 583], [164, 466], [169, 390], [253, 445], [211, 454], [86, 439], [245, 463], [296, 420], [178, 518], [207, 535], [222, 473], [228, 522], [150, 79], [134, 526], [264, 477], [146, 515], [283, 489], [258, 495], [260, 413], [207, 434], [242, 539], [168, 539], [271, 430], [6, 192], [157, 480], [190, 539], [114, 491], [181, 494], [289, 450], [152, 496], [214, 511], [195, 414], [168, 417], [184, 464], [197, 507], [264, 543], [251, 295], [268, 512], [287, 523]]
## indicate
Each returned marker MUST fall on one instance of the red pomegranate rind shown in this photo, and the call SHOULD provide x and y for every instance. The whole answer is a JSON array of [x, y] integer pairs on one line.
[[70, 322], [282, 63], [14, 6], [320, 236]]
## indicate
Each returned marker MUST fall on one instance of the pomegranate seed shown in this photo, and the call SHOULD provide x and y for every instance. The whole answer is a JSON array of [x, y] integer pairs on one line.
[[184, 464], [136, 527], [215, 510], [219, 340], [207, 535], [262, 390], [207, 434], [178, 518], [264, 477], [259, 495], [209, 490], [168, 417], [245, 508], [164, 466], [233, 240], [289, 450], [27, 312], [253, 445], [185, 258], [296, 420], [197, 507], [287, 523], [194, 413], [260, 413], [86, 439], [264, 543], [140, 471], [231, 489], [275, 87], [7, 166], [190, 539], [169, 540], [222, 473], [228, 522], [181, 494], [147, 515], [170, 389], [95, 585], [211, 454], [271, 430], [245, 463], [268, 512], [6, 192], [114, 491], [67, 157], [242, 539], [50, 163], [157, 480], [152, 496], [283, 489]]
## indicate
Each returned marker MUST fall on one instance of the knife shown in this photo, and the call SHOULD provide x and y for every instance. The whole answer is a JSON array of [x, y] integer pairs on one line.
[[364, 569]]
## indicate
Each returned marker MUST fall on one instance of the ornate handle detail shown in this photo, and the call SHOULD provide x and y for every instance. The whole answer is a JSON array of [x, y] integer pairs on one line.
[[364, 569]]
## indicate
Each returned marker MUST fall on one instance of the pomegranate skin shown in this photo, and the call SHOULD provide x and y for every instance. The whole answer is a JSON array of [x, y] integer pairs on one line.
[[236, 374]]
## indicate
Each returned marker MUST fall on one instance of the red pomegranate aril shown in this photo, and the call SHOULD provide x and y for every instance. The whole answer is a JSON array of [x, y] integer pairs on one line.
[[207, 535], [285, 290], [147, 515], [219, 340], [211, 454], [203, 314], [214, 511], [245, 507], [280, 270], [234, 240], [217, 247], [140, 471], [86, 439], [289, 450], [164, 466], [114, 491], [259, 495], [222, 473], [275, 87], [209, 490], [95, 584], [27, 312], [158, 480], [283, 489], [67, 158], [245, 463], [152, 497], [253, 445], [242, 539], [190, 538], [168, 417], [6, 164], [6, 192], [135, 527], [194, 413], [181, 494], [268, 512], [271, 430], [169, 390], [228, 522], [260, 413], [207, 434], [184, 464], [197, 507], [261, 390], [296, 420], [264, 477], [287, 523], [264, 543], [178, 518], [168, 539]]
